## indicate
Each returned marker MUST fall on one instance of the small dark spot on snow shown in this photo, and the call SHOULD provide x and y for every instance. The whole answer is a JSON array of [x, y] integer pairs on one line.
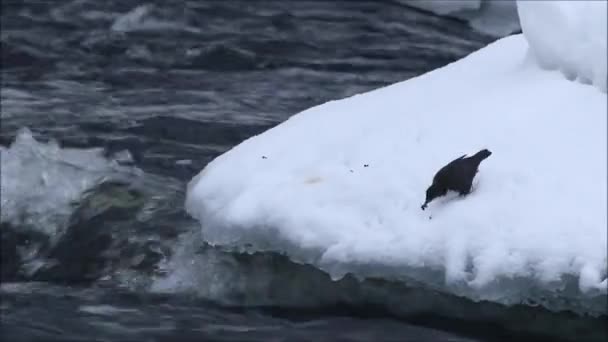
[[264, 157], [430, 217], [365, 165], [313, 180], [351, 171]]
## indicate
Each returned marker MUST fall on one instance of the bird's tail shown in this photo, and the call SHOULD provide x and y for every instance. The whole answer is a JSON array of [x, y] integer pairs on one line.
[[481, 155]]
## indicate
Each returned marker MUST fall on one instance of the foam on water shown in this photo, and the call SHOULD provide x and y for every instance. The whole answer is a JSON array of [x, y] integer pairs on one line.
[[142, 18]]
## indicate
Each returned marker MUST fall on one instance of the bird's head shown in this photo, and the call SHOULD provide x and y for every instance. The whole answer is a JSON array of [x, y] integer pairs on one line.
[[433, 192]]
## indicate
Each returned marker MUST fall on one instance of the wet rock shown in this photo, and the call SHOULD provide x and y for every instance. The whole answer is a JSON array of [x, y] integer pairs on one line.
[[81, 253], [10, 255], [19, 245]]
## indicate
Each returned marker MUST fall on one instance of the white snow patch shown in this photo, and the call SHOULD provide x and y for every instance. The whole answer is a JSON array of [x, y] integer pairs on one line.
[[570, 36], [537, 212]]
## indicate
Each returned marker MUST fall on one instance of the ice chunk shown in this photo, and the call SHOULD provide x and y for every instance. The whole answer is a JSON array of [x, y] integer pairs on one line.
[[569, 36], [340, 185], [41, 180]]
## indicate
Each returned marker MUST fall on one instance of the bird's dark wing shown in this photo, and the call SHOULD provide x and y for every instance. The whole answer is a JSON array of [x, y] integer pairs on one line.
[[453, 161], [448, 171]]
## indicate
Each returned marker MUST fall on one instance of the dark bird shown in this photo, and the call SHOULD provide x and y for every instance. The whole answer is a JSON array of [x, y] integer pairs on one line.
[[456, 176]]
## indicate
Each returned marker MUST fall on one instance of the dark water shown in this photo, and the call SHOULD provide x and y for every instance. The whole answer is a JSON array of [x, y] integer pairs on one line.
[[176, 83]]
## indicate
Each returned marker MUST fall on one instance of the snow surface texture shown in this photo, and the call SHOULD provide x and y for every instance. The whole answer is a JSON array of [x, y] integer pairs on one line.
[[569, 36], [340, 185], [40, 180], [497, 18]]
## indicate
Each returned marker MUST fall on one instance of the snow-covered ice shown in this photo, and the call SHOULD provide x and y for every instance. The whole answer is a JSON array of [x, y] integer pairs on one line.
[[535, 222], [569, 36]]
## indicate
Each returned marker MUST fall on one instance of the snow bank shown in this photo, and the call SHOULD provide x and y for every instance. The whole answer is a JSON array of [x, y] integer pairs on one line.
[[497, 18], [569, 36], [340, 185], [40, 181]]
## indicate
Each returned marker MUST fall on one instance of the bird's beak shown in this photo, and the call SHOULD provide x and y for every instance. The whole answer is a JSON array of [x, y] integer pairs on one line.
[[423, 206]]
